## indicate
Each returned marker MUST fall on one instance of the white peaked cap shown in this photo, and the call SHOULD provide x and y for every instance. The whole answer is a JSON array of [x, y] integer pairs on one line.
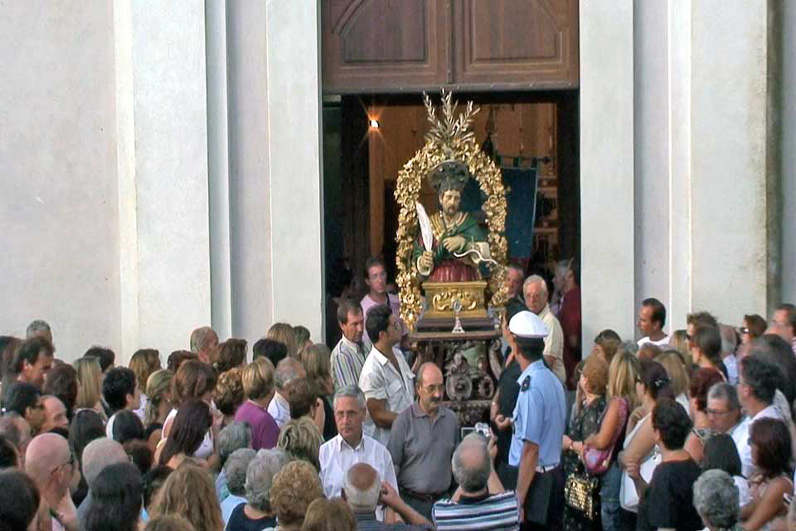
[[528, 325]]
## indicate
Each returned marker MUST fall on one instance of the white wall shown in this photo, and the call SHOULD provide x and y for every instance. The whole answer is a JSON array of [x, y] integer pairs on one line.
[[58, 212]]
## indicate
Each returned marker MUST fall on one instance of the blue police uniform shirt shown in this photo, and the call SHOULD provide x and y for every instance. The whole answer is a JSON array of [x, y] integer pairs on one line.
[[539, 416]]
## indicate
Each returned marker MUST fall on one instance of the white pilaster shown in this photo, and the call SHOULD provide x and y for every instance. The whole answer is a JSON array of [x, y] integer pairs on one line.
[[729, 136], [162, 160], [606, 166], [296, 209]]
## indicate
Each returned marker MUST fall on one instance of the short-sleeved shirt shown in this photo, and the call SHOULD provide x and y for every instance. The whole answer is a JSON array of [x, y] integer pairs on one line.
[[368, 522], [265, 431], [487, 513], [347, 360], [539, 416], [422, 447], [240, 522], [669, 500], [381, 381], [554, 343], [337, 456]]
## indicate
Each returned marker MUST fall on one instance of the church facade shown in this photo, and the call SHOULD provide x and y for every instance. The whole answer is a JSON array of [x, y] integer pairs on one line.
[[162, 165]]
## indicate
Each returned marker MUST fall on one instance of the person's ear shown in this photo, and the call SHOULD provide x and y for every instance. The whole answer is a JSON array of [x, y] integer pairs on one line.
[[128, 398]]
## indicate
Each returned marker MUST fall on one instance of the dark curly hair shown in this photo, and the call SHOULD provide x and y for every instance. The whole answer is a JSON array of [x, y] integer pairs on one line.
[[672, 422]]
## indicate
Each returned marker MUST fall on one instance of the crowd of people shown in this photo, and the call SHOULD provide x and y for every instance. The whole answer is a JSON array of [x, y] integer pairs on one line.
[[686, 430]]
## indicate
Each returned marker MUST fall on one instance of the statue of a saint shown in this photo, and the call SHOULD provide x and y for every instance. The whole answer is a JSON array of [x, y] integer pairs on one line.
[[459, 243]]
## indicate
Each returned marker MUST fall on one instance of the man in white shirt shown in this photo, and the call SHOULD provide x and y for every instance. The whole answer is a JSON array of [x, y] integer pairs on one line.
[[729, 344], [386, 379], [536, 295], [651, 319], [758, 379], [351, 445], [287, 370], [376, 280]]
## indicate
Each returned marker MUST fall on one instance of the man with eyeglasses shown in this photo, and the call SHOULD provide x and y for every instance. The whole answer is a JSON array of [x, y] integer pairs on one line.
[[783, 323], [757, 385], [422, 441], [50, 464], [386, 379], [724, 409]]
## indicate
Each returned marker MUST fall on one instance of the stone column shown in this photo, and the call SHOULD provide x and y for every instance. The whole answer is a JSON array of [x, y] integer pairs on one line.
[[606, 166], [294, 160], [163, 170]]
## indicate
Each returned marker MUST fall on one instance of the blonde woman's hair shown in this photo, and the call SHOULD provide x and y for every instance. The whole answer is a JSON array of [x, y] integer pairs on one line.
[[300, 439], [622, 375], [258, 378], [674, 364], [316, 361], [189, 492], [283, 333], [295, 487], [144, 362], [679, 342], [89, 383], [329, 515], [157, 385]]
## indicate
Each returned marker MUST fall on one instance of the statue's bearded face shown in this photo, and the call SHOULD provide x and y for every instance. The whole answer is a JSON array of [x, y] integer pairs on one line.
[[450, 200]]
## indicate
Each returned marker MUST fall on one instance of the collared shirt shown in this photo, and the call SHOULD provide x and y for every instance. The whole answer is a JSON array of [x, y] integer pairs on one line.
[[336, 457], [368, 522], [741, 437], [279, 409], [498, 512], [539, 416], [554, 342], [663, 342], [380, 380], [347, 361], [265, 429], [422, 447]]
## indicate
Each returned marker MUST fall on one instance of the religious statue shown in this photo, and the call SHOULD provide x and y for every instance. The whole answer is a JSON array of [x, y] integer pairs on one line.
[[459, 244], [449, 258]]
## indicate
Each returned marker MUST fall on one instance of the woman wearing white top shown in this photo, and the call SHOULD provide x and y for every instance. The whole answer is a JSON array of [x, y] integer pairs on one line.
[[652, 384]]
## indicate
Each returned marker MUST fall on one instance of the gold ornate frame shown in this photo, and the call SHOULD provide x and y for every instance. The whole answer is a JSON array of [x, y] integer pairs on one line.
[[448, 138]]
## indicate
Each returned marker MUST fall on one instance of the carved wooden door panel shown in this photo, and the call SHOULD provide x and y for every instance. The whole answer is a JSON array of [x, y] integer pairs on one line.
[[414, 45], [384, 44], [519, 44]]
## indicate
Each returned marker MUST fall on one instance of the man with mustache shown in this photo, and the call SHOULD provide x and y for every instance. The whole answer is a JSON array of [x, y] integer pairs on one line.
[[422, 441]]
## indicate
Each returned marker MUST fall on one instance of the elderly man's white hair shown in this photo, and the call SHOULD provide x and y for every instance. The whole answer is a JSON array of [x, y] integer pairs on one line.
[[533, 279], [36, 327], [200, 338], [287, 370], [99, 454], [362, 486], [235, 469], [716, 499]]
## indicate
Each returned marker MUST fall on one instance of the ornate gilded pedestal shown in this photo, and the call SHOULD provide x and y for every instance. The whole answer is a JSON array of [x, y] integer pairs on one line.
[[440, 297], [471, 365]]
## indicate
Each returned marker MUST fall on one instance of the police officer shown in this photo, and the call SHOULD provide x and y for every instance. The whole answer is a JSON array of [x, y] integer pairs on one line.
[[538, 423]]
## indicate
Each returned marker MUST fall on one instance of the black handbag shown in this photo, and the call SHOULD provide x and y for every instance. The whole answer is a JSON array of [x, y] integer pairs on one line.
[[580, 492]]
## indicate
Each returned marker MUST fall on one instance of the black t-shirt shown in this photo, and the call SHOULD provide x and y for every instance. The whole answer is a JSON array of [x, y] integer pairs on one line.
[[509, 391], [669, 499], [238, 521]]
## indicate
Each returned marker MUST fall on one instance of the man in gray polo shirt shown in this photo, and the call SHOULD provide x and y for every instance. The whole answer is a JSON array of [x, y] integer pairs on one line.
[[422, 442]]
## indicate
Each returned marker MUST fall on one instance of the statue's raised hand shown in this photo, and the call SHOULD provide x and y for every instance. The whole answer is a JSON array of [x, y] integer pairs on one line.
[[454, 244]]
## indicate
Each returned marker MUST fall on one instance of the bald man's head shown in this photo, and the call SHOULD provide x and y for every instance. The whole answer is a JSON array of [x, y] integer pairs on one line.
[[46, 452], [430, 387], [471, 463], [99, 454], [362, 487]]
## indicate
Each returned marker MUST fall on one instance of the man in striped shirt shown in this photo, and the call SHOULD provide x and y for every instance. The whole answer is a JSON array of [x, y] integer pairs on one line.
[[482, 503], [350, 353]]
